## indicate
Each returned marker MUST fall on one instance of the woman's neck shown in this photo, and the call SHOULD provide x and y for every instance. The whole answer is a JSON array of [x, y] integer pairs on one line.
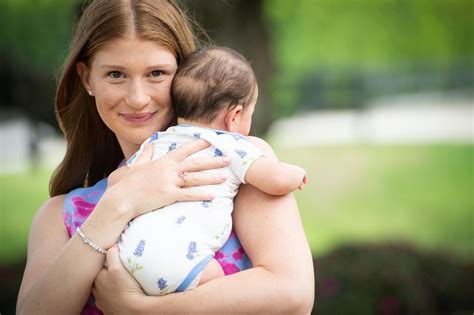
[[128, 150]]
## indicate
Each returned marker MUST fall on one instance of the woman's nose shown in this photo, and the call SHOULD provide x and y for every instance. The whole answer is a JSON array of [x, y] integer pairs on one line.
[[138, 95]]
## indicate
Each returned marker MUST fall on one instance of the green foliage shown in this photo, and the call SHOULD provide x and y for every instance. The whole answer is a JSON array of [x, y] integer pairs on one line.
[[20, 196], [392, 279], [336, 35], [35, 34]]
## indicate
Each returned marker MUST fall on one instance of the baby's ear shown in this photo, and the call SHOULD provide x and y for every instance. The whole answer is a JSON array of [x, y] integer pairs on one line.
[[232, 118]]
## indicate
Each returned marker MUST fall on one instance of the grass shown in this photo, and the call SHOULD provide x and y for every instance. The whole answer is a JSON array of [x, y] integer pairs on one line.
[[419, 194], [20, 196]]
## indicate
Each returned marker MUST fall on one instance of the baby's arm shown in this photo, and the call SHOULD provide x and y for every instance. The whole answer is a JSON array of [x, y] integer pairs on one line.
[[271, 176]]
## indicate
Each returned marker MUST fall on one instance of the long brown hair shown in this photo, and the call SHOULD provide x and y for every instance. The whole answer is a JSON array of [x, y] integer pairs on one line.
[[93, 151]]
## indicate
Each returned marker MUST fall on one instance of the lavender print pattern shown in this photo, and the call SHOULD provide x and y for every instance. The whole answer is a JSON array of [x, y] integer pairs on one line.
[[180, 219], [237, 137], [241, 153], [139, 250], [162, 284], [132, 262], [172, 147], [191, 250], [206, 204]]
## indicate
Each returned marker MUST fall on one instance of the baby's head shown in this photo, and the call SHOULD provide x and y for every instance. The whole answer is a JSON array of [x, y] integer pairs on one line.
[[215, 86]]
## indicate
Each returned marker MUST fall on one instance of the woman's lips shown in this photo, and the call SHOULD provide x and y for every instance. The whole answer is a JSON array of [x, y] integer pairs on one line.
[[138, 118]]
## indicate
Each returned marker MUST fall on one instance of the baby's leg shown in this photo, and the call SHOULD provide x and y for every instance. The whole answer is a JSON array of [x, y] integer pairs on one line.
[[213, 270]]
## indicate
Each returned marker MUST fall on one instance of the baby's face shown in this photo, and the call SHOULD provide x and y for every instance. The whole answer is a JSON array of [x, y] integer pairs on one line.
[[246, 120]]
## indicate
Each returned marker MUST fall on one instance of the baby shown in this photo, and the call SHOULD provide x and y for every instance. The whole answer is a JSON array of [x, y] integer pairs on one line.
[[172, 249]]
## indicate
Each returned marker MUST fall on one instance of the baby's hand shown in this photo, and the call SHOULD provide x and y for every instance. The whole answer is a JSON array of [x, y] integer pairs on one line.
[[303, 182]]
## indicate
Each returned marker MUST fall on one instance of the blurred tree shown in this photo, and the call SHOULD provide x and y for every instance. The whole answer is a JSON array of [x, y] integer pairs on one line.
[[323, 48], [240, 24], [337, 38], [33, 42]]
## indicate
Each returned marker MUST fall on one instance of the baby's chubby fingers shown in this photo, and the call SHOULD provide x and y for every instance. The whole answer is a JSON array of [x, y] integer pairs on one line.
[[304, 182]]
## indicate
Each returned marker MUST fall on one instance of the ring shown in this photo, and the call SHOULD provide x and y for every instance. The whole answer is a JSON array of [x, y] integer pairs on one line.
[[182, 175]]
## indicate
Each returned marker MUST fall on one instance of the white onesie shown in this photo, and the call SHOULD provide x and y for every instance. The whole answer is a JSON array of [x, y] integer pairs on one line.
[[166, 250]]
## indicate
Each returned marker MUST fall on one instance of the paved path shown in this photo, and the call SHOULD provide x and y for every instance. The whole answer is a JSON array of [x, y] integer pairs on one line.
[[398, 121]]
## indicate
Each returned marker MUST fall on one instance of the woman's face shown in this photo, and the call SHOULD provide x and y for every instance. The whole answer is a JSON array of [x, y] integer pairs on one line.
[[130, 80]]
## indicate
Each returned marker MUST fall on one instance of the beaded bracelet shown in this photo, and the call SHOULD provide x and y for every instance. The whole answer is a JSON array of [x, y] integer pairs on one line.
[[87, 241]]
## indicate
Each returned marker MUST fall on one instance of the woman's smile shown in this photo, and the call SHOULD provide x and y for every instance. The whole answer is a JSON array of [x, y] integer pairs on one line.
[[138, 118]]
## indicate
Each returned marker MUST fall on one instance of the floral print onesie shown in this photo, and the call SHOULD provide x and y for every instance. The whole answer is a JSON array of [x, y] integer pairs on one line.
[[79, 204], [167, 250]]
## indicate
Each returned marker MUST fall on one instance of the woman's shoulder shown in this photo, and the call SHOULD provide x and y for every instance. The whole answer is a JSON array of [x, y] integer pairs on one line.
[[52, 205], [50, 212]]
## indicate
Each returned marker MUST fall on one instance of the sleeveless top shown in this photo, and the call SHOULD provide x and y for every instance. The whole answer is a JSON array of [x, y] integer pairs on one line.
[[80, 202]]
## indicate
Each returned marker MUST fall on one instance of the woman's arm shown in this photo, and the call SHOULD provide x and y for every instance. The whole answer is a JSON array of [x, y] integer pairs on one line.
[[282, 280], [60, 271]]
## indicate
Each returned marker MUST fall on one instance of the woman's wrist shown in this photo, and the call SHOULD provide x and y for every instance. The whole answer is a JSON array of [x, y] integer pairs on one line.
[[146, 303], [140, 304], [107, 221]]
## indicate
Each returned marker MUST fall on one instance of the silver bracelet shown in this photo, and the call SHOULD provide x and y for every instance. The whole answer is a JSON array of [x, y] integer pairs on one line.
[[87, 241]]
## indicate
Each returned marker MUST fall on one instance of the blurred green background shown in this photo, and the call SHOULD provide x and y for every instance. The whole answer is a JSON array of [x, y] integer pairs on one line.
[[389, 221]]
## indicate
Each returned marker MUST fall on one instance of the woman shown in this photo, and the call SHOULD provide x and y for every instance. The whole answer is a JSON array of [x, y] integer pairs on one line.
[[113, 94]]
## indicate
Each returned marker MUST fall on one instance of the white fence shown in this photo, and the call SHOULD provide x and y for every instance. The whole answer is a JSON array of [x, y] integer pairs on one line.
[[401, 120], [16, 147]]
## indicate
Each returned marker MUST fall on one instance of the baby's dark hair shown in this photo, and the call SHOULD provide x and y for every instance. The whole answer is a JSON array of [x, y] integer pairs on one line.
[[209, 80]]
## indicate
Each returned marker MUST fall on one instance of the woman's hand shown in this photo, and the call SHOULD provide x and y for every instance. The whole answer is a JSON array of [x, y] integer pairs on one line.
[[115, 290], [148, 185]]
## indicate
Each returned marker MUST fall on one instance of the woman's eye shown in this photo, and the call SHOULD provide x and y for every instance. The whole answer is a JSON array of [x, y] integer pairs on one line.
[[115, 74], [156, 73]]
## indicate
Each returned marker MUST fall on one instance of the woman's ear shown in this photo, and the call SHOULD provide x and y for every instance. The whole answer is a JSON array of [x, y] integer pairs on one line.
[[84, 73], [232, 118]]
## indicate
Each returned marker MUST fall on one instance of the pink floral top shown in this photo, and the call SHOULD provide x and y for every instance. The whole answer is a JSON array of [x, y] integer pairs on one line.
[[80, 202]]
